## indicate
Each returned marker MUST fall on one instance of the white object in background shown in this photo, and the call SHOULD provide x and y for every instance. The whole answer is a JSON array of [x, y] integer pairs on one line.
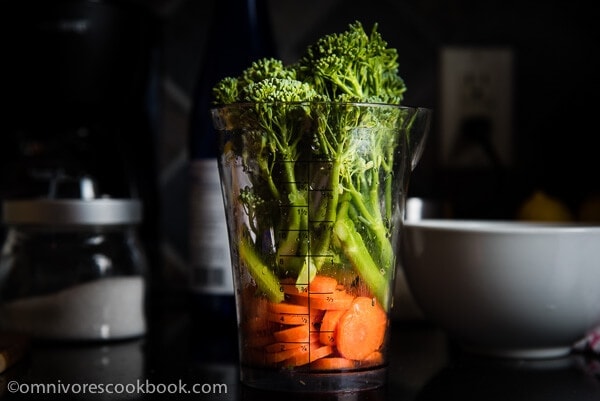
[[420, 208], [508, 289], [108, 308]]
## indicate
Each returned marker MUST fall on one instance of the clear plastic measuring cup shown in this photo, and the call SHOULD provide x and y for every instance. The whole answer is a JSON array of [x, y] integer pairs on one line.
[[314, 196]]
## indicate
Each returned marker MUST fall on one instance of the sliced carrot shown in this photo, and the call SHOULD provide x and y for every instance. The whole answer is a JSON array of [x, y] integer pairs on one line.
[[276, 357], [324, 326], [374, 358], [361, 329], [286, 307], [293, 334], [328, 325], [312, 316], [316, 317], [322, 285], [284, 346], [338, 299], [288, 286], [288, 318], [314, 352], [333, 363], [319, 285]]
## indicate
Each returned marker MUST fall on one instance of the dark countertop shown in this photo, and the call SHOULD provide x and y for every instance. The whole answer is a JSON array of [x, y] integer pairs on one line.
[[180, 352]]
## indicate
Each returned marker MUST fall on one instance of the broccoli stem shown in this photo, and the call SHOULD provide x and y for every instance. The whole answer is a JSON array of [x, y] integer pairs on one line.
[[266, 281], [383, 246], [264, 167], [322, 224], [357, 253], [266, 172], [372, 218], [290, 250]]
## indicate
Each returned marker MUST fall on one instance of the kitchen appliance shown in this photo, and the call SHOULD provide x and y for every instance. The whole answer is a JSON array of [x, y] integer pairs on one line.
[[77, 95]]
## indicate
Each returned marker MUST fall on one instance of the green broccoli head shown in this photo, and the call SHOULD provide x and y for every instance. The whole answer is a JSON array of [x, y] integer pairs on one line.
[[278, 79], [353, 66], [226, 91], [279, 90], [266, 68]]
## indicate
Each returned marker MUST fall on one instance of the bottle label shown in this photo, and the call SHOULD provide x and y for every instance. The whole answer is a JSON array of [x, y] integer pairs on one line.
[[210, 260]]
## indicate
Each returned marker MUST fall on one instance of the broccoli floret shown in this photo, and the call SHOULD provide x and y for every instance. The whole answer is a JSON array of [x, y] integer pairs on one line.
[[274, 90], [353, 67], [226, 91], [266, 68], [237, 89]]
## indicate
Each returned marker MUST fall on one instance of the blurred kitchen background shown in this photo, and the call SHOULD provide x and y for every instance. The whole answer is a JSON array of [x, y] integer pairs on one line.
[[514, 86]]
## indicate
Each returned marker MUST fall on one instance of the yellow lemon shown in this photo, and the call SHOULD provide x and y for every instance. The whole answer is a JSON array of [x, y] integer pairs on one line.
[[542, 207]]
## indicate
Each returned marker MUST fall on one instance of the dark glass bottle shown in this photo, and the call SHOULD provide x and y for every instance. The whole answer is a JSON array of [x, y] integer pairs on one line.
[[240, 34]]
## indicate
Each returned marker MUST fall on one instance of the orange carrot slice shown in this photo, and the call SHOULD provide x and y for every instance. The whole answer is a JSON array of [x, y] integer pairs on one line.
[[293, 334], [313, 353], [322, 285], [374, 358], [361, 329], [319, 285], [288, 286], [285, 307], [338, 299], [316, 317], [288, 318], [276, 357], [328, 325], [284, 346], [332, 363]]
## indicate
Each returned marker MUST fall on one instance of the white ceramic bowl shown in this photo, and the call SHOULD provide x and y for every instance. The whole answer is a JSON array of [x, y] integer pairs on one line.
[[510, 289]]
